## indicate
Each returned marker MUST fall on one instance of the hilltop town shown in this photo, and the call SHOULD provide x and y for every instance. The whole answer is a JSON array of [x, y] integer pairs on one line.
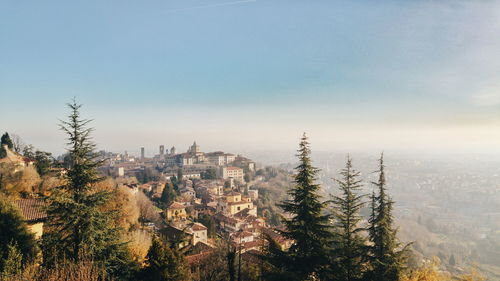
[[195, 198], [216, 186]]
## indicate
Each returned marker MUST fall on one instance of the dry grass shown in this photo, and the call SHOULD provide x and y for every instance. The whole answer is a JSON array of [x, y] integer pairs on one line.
[[87, 271], [431, 272]]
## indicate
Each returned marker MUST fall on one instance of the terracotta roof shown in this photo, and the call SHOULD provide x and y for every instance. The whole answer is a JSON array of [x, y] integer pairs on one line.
[[242, 234], [238, 203], [199, 248], [173, 233], [233, 193], [198, 226], [32, 209], [253, 245], [224, 218], [176, 205], [233, 168], [252, 256], [198, 258], [277, 237]]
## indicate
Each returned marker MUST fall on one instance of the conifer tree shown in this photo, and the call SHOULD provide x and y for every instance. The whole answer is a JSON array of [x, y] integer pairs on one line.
[[349, 245], [78, 229], [168, 194], [387, 258], [373, 216], [307, 225], [7, 140], [13, 263], [231, 265], [165, 263]]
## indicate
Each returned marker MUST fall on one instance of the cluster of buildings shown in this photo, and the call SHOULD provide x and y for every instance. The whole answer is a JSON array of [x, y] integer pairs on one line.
[[193, 163], [232, 214]]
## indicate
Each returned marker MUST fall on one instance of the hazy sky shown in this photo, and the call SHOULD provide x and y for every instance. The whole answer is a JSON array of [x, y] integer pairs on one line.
[[252, 75]]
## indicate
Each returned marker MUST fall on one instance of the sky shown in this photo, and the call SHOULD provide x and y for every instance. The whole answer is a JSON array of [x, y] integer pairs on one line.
[[252, 75]]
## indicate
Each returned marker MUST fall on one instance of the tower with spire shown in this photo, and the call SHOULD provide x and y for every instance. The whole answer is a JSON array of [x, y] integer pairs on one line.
[[194, 148]]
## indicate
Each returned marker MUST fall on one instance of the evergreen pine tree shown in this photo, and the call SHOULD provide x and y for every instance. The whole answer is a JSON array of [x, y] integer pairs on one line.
[[373, 216], [77, 227], [307, 225], [231, 262], [7, 140], [165, 263], [13, 263], [349, 246], [168, 194], [387, 259]]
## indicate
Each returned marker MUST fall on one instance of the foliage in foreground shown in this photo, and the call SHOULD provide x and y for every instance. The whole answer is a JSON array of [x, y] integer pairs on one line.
[[79, 227], [334, 246], [307, 225], [431, 272], [349, 250], [164, 263], [68, 271], [14, 236]]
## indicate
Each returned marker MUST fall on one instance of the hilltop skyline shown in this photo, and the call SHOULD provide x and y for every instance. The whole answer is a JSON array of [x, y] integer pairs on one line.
[[391, 75]]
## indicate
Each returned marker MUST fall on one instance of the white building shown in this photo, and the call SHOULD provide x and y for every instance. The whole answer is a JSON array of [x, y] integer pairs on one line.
[[232, 173]]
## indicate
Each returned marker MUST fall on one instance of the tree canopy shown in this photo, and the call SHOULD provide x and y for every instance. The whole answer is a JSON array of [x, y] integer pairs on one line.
[[306, 225], [14, 233], [78, 227]]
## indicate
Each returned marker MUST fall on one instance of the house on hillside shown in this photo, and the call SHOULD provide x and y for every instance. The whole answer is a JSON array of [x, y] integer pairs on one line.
[[189, 235], [176, 212], [199, 232], [234, 202], [19, 162], [33, 211]]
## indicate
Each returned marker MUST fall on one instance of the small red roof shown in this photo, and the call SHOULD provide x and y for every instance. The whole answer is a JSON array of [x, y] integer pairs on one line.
[[176, 205], [198, 226], [233, 193], [233, 168], [198, 258], [32, 209]]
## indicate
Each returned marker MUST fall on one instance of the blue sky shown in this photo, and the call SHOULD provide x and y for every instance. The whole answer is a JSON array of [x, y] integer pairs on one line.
[[246, 75]]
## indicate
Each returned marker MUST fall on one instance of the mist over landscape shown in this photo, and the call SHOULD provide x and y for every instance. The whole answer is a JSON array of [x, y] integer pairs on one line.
[[250, 140]]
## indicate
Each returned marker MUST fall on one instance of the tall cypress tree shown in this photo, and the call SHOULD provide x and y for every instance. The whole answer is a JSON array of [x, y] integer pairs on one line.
[[78, 228], [388, 258], [373, 216], [349, 249], [5, 140], [168, 194], [306, 224]]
